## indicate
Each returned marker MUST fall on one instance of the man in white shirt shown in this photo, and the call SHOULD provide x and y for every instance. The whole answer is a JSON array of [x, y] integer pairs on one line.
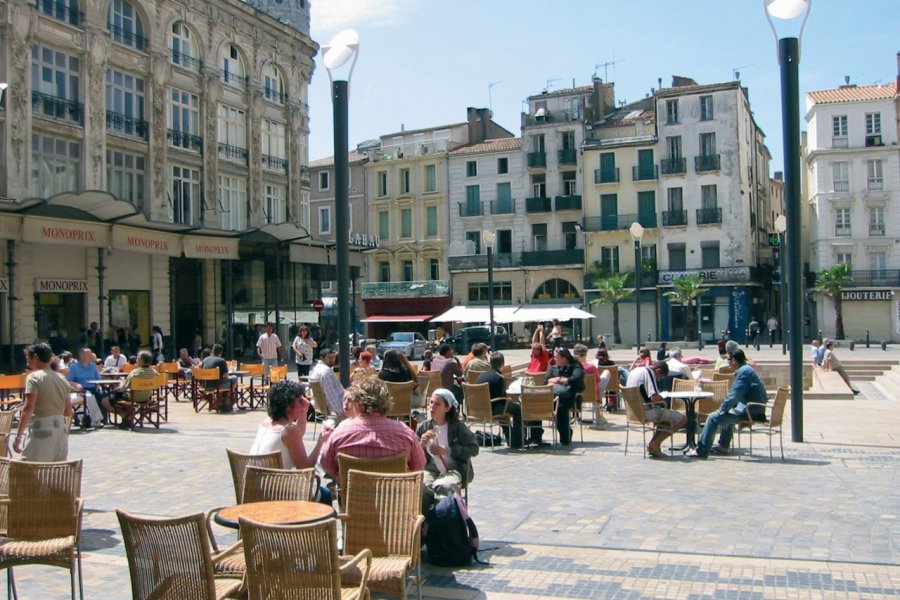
[[772, 326], [675, 364], [116, 360], [644, 378], [323, 372], [268, 346]]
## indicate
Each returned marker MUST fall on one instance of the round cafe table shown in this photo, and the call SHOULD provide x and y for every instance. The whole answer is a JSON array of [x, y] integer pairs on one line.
[[279, 512], [690, 401]]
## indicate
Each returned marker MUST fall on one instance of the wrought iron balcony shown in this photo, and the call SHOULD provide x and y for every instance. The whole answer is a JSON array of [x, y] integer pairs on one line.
[[537, 159], [476, 262], [542, 258], [475, 209], [875, 184], [672, 166], [406, 289], [273, 95], [61, 11], [876, 278], [841, 186], [55, 107], [230, 152], [567, 156], [533, 205], [606, 175], [183, 139], [503, 207], [180, 59], [572, 202], [125, 125], [709, 216], [619, 222], [273, 163], [233, 78], [674, 218], [840, 142], [876, 228], [127, 37], [841, 231], [706, 162], [644, 173]]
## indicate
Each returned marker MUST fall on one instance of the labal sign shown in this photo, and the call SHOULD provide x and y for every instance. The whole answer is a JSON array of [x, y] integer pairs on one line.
[[364, 240], [708, 275]]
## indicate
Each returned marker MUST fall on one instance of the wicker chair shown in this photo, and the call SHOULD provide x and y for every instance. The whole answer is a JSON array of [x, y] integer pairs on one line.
[[479, 408], [6, 419], [613, 388], [239, 462], [171, 558], [319, 403], [773, 423], [300, 561], [588, 396], [396, 463], [383, 514], [262, 484], [538, 405], [43, 518], [402, 396], [634, 417]]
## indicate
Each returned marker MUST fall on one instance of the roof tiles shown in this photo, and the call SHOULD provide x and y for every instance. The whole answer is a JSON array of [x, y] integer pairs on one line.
[[855, 93]]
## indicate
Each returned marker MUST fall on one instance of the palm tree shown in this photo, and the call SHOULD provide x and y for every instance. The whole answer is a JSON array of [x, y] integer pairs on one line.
[[686, 290], [612, 291], [832, 282]]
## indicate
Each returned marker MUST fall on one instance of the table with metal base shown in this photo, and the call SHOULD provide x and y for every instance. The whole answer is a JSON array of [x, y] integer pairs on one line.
[[690, 401]]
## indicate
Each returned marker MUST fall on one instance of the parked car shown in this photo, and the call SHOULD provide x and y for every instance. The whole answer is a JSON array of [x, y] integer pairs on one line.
[[463, 339], [410, 343]]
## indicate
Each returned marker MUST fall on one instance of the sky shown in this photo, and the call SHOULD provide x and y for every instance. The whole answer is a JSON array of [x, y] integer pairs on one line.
[[423, 62]]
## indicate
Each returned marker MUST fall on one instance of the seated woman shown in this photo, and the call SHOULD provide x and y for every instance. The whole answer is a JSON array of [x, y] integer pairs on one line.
[[580, 352], [364, 368], [395, 368], [642, 360], [283, 431], [449, 444]]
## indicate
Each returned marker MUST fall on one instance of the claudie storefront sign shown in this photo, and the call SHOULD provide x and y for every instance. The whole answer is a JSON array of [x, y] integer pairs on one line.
[[61, 286], [727, 274], [866, 295]]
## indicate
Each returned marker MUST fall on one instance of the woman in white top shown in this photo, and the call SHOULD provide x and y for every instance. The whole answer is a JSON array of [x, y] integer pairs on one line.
[[283, 430], [304, 348], [555, 337]]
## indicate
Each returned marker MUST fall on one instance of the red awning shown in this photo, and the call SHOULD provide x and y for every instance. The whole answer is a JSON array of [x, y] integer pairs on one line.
[[395, 319]]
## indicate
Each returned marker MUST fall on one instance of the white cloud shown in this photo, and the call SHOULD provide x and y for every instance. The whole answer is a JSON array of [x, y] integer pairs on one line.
[[333, 15]]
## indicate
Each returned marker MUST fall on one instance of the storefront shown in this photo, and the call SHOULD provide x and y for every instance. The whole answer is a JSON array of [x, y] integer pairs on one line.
[[872, 310]]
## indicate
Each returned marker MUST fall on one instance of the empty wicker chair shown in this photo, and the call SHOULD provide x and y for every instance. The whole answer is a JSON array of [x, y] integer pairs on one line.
[[773, 423], [239, 463], [319, 403], [300, 561], [6, 419], [262, 484], [171, 558]]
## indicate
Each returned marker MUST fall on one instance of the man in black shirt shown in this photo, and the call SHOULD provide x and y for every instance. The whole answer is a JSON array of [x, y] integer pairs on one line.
[[500, 403], [226, 380]]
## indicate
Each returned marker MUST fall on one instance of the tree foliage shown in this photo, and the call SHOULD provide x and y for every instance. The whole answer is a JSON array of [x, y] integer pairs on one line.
[[687, 289], [832, 282]]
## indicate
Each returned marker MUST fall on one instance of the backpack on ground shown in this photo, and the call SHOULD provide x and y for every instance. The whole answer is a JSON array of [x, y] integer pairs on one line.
[[451, 537], [486, 438]]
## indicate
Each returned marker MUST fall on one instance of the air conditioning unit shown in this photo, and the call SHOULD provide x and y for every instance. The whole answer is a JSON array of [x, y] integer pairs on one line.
[[874, 140]]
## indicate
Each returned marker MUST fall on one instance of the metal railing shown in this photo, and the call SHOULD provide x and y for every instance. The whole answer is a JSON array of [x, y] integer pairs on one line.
[[273, 95], [619, 222], [841, 186], [539, 258], [842, 231], [606, 175], [471, 210], [125, 125], [127, 37], [537, 159], [644, 173], [876, 228], [405, 289], [674, 218], [709, 216], [572, 202], [877, 277], [706, 162], [49, 105], [233, 78], [473, 262], [875, 184], [840, 142], [232, 152], [673, 166], [61, 11], [549, 116], [185, 61], [567, 156], [183, 139], [503, 207], [533, 205], [274, 163]]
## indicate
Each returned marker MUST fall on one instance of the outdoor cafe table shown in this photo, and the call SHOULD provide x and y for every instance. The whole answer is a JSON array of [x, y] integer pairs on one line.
[[690, 400], [278, 512]]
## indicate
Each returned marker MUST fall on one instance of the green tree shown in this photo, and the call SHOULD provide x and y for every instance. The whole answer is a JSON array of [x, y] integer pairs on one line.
[[612, 291], [687, 289], [832, 282]]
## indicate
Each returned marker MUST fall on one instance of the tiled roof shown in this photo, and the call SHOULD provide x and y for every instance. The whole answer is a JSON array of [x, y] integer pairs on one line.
[[500, 145], [354, 157], [422, 130], [855, 93], [564, 92]]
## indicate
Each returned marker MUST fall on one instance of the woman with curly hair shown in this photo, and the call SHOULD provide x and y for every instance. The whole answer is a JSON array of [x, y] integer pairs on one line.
[[283, 430]]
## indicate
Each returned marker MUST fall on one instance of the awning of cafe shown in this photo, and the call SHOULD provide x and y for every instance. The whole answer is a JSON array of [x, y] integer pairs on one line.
[[512, 314], [395, 319], [465, 314]]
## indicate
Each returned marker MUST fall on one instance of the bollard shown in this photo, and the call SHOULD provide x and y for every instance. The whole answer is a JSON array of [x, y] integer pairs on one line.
[[700, 344], [820, 335], [867, 338], [883, 345], [648, 338], [852, 345]]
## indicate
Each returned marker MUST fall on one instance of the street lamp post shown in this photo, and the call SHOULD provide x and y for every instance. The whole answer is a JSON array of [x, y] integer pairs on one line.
[[489, 238], [790, 12], [780, 227], [342, 47], [637, 232]]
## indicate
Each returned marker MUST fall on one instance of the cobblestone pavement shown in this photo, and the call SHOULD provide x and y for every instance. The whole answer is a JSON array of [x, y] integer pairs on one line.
[[585, 522]]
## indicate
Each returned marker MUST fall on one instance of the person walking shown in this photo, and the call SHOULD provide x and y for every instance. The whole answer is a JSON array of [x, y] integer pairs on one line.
[[156, 345], [268, 346], [304, 347], [47, 404], [772, 326], [753, 330]]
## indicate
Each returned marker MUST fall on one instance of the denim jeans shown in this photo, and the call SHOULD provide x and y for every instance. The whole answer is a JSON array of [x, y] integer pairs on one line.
[[268, 363], [726, 421]]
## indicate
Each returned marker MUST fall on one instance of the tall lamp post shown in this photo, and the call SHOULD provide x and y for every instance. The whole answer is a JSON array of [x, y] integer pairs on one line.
[[780, 227], [340, 50], [489, 238], [789, 13], [637, 232]]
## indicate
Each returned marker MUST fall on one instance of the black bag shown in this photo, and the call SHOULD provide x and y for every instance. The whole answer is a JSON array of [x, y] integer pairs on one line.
[[451, 537], [487, 439]]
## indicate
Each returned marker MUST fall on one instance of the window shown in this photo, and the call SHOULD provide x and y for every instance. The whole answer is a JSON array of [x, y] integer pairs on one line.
[[384, 228], [608, 168], [840, 174], [408, 274], [272, 145], [61, 10], [384, 271], [878, 262], [504, 241], [473, 201], [537, 143], [233, 200], [671, 111], [125, 25], [184, 54], [406, 223], [276, 207], [479, 292], [709, 255], [504, 199], [404, 181], [233, 72], [707, 144], [502, 166], [125, 104], [382, 178], [839, 126], [539, 185], [609, 212], [673, 146], [431, 221], [873, 123], [125, 176], [842, 222], [471, 168], [647, 208], [232, 133], [56, 81], [675, 199], [568, 183], [185, 195], [567, 140], [324, 181], [475, 238], [184, 119], [434, 269], [55, 165], [874, 175], [273, 84], [539, 236], [677, 257], [844, 258], [709, 196], [646, 169], [609, 258], [430, 178], [876, 220], [648, 254], [570, 235], [706, 108], [324, 220]]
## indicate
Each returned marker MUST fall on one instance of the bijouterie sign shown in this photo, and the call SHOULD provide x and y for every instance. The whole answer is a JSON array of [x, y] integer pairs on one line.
[[866, 295]]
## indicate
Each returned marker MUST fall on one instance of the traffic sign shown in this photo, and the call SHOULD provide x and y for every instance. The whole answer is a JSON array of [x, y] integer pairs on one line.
[[318, 305]]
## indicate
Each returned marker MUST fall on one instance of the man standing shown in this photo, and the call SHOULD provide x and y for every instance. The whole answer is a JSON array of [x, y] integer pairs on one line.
[[753, 329], [644, 378], [46, 404], [747, 388], [116, 360], [323, 372], [268, 346], [772, 326], [500, 403]]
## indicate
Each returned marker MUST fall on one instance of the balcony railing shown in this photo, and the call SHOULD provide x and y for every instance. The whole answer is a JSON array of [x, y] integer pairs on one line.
[[233, 78], [709, 216], [706, 162], [185, 61], [644, 173], [406, 289], [606, 175], [471, 210], [55, 107], [875, 185], [549, 116], [840, 142], [183, 139], [273, 95], [503, 207], [674, 218], [842, 231], [479, 261], [61, 11], [230, 152], [273, 163], [541, 258], [619, 222], [567, 156], [568, 202], [841, 186], [673, 166], [876, 278], [876, 228], [533, 205], [304, 173], [537, 159], [127, 37], [125, 125]]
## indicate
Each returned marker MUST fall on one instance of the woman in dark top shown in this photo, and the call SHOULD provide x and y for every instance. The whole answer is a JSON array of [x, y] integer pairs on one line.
[[394, 368], [567, 379]]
